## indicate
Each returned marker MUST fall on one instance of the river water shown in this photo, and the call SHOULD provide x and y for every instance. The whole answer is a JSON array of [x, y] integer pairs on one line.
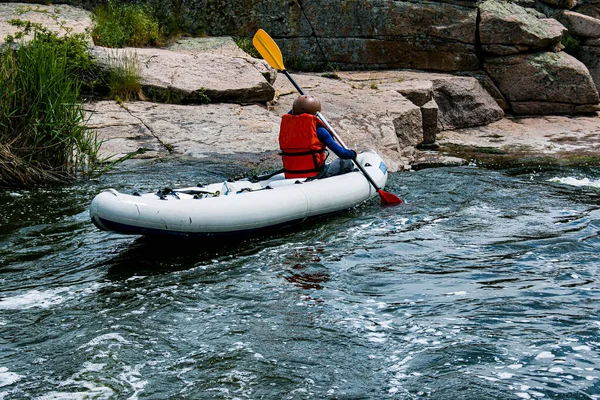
[[483, 286]]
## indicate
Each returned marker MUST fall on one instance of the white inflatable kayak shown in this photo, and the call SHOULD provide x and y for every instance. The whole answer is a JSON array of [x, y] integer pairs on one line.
[[238, 207]]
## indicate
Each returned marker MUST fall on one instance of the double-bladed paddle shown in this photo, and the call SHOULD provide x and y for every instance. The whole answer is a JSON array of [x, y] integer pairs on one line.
[[269, 50]]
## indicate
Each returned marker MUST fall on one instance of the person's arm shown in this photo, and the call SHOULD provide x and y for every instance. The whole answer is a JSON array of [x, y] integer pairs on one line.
[[325, 137]]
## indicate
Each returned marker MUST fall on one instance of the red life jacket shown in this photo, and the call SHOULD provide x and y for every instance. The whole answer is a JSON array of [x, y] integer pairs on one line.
[[302, 153]]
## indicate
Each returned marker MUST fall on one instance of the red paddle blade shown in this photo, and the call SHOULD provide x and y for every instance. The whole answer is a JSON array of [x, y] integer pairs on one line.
[[389, 199]]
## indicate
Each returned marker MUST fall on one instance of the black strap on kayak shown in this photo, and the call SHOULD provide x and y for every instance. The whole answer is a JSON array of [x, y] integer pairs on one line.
[[320, 175], [250, 190], [201, 194], [258, 178], [162, 194]]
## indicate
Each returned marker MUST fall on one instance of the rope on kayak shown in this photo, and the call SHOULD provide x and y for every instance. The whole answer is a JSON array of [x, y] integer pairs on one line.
[[198, 194]]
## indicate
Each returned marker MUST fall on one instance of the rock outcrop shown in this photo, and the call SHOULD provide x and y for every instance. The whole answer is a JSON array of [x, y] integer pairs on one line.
[[186, 77], [544, 83], [499, 57], [55, 18], [507, 28], [452, 36]]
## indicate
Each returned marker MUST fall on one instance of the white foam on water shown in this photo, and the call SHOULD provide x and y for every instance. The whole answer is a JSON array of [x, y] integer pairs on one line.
[[459, 293], [33, 298], [93, 367], [488, 378], [111, 338], [133, 377], [545, 354], [46, 298], [376, 337], [7, 377], [576, 182], [582, 348], [93, 393], [80, 386]]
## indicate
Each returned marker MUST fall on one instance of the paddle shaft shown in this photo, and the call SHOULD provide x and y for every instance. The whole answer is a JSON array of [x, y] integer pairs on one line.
[[332, 131]]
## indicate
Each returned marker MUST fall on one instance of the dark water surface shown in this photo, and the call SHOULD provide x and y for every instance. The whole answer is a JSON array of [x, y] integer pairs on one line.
[[484, 286]]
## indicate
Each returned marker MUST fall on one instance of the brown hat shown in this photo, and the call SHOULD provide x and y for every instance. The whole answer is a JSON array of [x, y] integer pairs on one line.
[[306, 105]]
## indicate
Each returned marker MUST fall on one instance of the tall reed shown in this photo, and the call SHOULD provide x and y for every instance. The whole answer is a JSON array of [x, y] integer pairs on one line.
[[43, 133]]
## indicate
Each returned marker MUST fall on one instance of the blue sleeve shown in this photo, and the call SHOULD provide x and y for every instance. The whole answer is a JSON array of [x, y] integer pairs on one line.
[[325, 137]]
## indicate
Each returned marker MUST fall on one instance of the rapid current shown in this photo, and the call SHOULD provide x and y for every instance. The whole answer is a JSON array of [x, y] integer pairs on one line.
[[484, 285]]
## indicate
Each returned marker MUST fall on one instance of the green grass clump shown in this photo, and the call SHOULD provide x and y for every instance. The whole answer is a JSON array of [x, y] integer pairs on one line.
[[43, 133], [121, 25], [124, 77]]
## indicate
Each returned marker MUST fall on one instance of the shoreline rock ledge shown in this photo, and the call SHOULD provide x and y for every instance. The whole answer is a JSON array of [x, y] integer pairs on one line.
[[403, 114]]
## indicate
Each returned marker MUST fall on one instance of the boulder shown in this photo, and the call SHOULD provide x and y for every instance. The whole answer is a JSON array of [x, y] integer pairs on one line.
[[177, 77], [580, 24], [507, 28], [463, 102], [543, 83], [225, 46], [447, 101]]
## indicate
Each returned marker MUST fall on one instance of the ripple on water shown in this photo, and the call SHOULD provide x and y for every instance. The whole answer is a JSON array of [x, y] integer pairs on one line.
[[482, 286]]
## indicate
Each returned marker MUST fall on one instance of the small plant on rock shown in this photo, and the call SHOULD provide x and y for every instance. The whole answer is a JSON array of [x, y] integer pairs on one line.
[[124, 76]]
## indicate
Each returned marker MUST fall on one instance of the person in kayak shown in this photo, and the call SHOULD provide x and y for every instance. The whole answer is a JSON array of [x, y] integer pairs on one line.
[[303, 140]]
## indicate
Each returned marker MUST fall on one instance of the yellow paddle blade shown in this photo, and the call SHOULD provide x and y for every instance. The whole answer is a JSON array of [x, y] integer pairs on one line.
[[268, 49]]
